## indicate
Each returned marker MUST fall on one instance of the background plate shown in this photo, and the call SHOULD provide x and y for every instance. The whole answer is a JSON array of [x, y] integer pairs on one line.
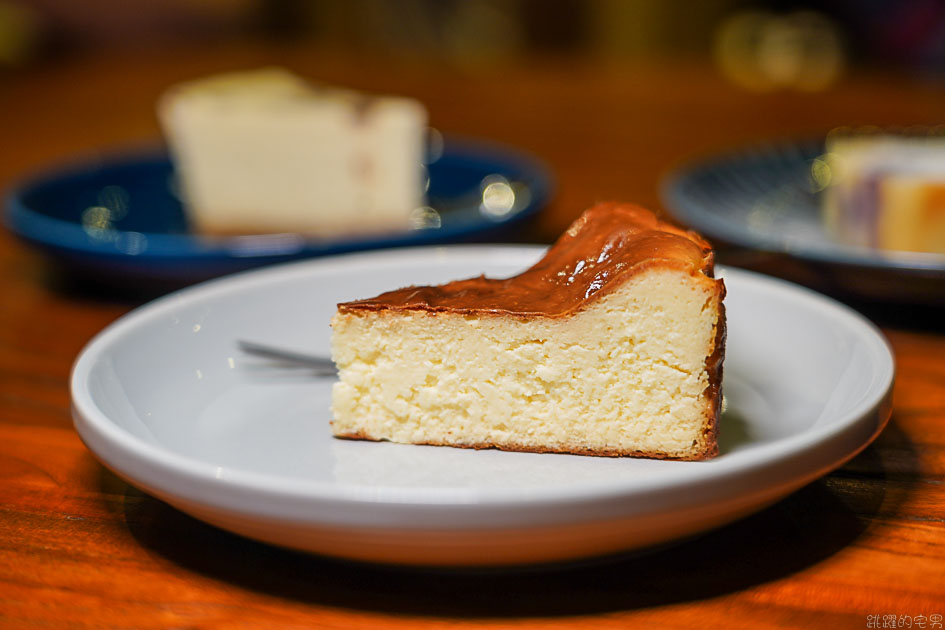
[[763, 198], [151, 241], [163, 399]]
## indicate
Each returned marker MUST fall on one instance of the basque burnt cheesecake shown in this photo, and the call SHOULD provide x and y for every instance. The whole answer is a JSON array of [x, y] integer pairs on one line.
[[611, 344]]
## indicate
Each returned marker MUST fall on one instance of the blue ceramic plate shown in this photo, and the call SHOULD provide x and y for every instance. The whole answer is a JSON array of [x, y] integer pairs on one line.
[[143, 233], [765, 199]]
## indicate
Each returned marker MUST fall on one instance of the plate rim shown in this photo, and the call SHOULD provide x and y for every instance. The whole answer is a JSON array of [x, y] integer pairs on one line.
[[94, 426]]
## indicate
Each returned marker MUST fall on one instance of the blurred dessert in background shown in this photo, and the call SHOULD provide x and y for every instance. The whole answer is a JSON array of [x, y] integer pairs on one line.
[[885, 190], [266, 151]]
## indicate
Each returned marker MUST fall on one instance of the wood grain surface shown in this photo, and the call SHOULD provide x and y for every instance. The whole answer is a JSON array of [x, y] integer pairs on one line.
[[80, 548]]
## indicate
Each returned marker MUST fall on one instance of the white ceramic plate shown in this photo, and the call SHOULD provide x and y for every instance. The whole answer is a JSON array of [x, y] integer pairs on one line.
[[163, 398]]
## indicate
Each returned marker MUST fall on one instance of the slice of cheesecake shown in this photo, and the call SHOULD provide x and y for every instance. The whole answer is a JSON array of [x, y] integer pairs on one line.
[[885, 190], [266, 151], [612, 344]]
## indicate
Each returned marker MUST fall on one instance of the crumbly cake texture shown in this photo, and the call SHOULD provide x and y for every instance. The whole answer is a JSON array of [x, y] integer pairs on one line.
[[612, 344]]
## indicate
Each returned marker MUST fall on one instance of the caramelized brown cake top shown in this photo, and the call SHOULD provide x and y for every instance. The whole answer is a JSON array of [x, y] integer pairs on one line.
[[605, 245]]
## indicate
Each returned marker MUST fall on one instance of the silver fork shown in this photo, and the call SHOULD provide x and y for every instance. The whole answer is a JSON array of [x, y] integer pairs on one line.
[[322, 365]]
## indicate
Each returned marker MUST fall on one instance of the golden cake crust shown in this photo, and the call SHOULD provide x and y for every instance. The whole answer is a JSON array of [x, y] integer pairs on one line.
[[607, 244]]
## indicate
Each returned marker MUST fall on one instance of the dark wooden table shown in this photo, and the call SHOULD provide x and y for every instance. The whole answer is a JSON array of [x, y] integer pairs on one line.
[[81, 548]]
